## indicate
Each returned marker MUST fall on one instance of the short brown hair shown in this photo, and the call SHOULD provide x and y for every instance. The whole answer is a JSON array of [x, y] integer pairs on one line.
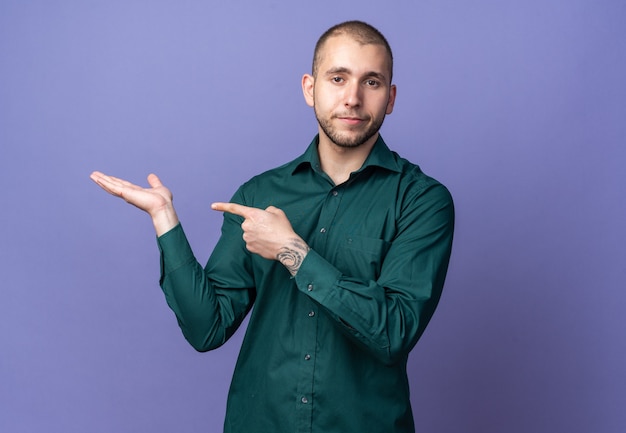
[[360, 31]]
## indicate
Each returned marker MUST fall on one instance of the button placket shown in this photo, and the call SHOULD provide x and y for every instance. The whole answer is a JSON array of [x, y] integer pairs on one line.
[[326, 218], [304, 396]]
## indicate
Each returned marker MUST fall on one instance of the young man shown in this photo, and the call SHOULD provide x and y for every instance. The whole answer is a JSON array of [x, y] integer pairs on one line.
[[343, 253]]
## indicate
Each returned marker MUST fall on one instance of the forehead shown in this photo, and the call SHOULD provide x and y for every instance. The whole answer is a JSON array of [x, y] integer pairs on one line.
[[343, 51]]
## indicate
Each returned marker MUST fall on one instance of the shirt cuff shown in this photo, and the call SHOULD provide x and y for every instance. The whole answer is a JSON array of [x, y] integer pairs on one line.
[[174, 249], [316, 277]]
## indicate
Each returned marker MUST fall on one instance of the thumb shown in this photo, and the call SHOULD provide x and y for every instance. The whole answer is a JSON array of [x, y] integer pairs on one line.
[[274, 210], [154, 180]]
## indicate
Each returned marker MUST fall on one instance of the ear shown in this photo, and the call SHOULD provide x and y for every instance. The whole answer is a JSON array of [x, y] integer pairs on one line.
[[392, 99], [308, 84]]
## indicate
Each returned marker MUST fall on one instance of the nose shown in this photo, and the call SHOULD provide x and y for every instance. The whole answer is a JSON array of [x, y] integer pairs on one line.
[[352, 96]]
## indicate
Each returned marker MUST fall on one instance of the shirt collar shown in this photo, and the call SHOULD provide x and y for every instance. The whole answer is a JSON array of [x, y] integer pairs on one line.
[[380, 156]]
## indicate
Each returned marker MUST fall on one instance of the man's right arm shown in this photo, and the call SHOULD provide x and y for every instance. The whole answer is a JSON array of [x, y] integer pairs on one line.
[[208, 310], [209, 306]]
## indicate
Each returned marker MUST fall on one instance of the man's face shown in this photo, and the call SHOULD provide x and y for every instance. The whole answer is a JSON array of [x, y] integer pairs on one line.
[[351, 93]]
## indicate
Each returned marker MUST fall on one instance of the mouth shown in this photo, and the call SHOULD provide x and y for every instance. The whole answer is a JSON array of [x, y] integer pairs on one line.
[[351, 120]]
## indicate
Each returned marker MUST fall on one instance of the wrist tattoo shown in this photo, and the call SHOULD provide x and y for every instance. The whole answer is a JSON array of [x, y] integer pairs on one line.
[[292, 255]]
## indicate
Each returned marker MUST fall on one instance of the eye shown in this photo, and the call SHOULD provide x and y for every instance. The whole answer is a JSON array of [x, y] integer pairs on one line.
[[372, 83], [337, 80]]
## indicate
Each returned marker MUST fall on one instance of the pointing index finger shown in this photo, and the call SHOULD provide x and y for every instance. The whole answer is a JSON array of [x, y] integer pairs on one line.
[[234, 208]]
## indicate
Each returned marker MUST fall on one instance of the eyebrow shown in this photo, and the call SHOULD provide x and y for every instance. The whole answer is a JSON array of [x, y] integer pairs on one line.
[[344, 70]]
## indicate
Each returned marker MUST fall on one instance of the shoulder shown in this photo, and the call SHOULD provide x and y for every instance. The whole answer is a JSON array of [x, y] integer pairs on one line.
[[415, 183], [420, 197], [411, 180]]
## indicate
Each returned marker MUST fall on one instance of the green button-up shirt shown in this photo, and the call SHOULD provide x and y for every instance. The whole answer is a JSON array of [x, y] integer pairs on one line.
[[326, 350]]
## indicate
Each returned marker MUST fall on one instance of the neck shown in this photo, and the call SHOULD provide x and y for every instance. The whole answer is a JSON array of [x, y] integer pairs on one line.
[[339, 162]]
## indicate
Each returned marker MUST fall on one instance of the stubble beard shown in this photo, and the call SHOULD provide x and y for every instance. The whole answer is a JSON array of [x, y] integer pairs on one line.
[[347, 141]]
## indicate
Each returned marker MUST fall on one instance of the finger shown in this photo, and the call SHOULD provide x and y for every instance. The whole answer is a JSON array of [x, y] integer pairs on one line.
[[96, 175], [154, 180], [274, 210], [105, 182], [100, 178], [234, 208], [111, 184]]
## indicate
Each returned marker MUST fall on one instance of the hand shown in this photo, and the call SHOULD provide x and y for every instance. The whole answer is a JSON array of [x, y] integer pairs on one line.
[[269, 234], [156, 200]]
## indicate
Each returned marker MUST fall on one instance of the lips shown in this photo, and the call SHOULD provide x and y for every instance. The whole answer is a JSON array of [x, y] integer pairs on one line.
[[350, 119]]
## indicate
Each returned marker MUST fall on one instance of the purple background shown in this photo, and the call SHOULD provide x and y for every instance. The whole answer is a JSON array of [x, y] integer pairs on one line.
[[518, 107]]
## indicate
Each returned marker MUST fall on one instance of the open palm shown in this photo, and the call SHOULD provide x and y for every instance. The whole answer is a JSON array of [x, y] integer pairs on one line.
[[156, 200], [150, 199]]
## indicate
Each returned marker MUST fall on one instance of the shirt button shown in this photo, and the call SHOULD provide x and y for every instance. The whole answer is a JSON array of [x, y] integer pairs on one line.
[[304, 400], [309, 287], [307, 357], [311, 313], [335, 193], [323, 230]]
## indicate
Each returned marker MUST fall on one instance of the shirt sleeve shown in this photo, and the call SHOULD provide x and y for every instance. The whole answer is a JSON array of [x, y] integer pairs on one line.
[[387, 316], [208, 309]]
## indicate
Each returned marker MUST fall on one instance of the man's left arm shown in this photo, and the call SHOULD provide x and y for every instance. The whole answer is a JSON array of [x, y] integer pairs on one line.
[[387, 316]]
